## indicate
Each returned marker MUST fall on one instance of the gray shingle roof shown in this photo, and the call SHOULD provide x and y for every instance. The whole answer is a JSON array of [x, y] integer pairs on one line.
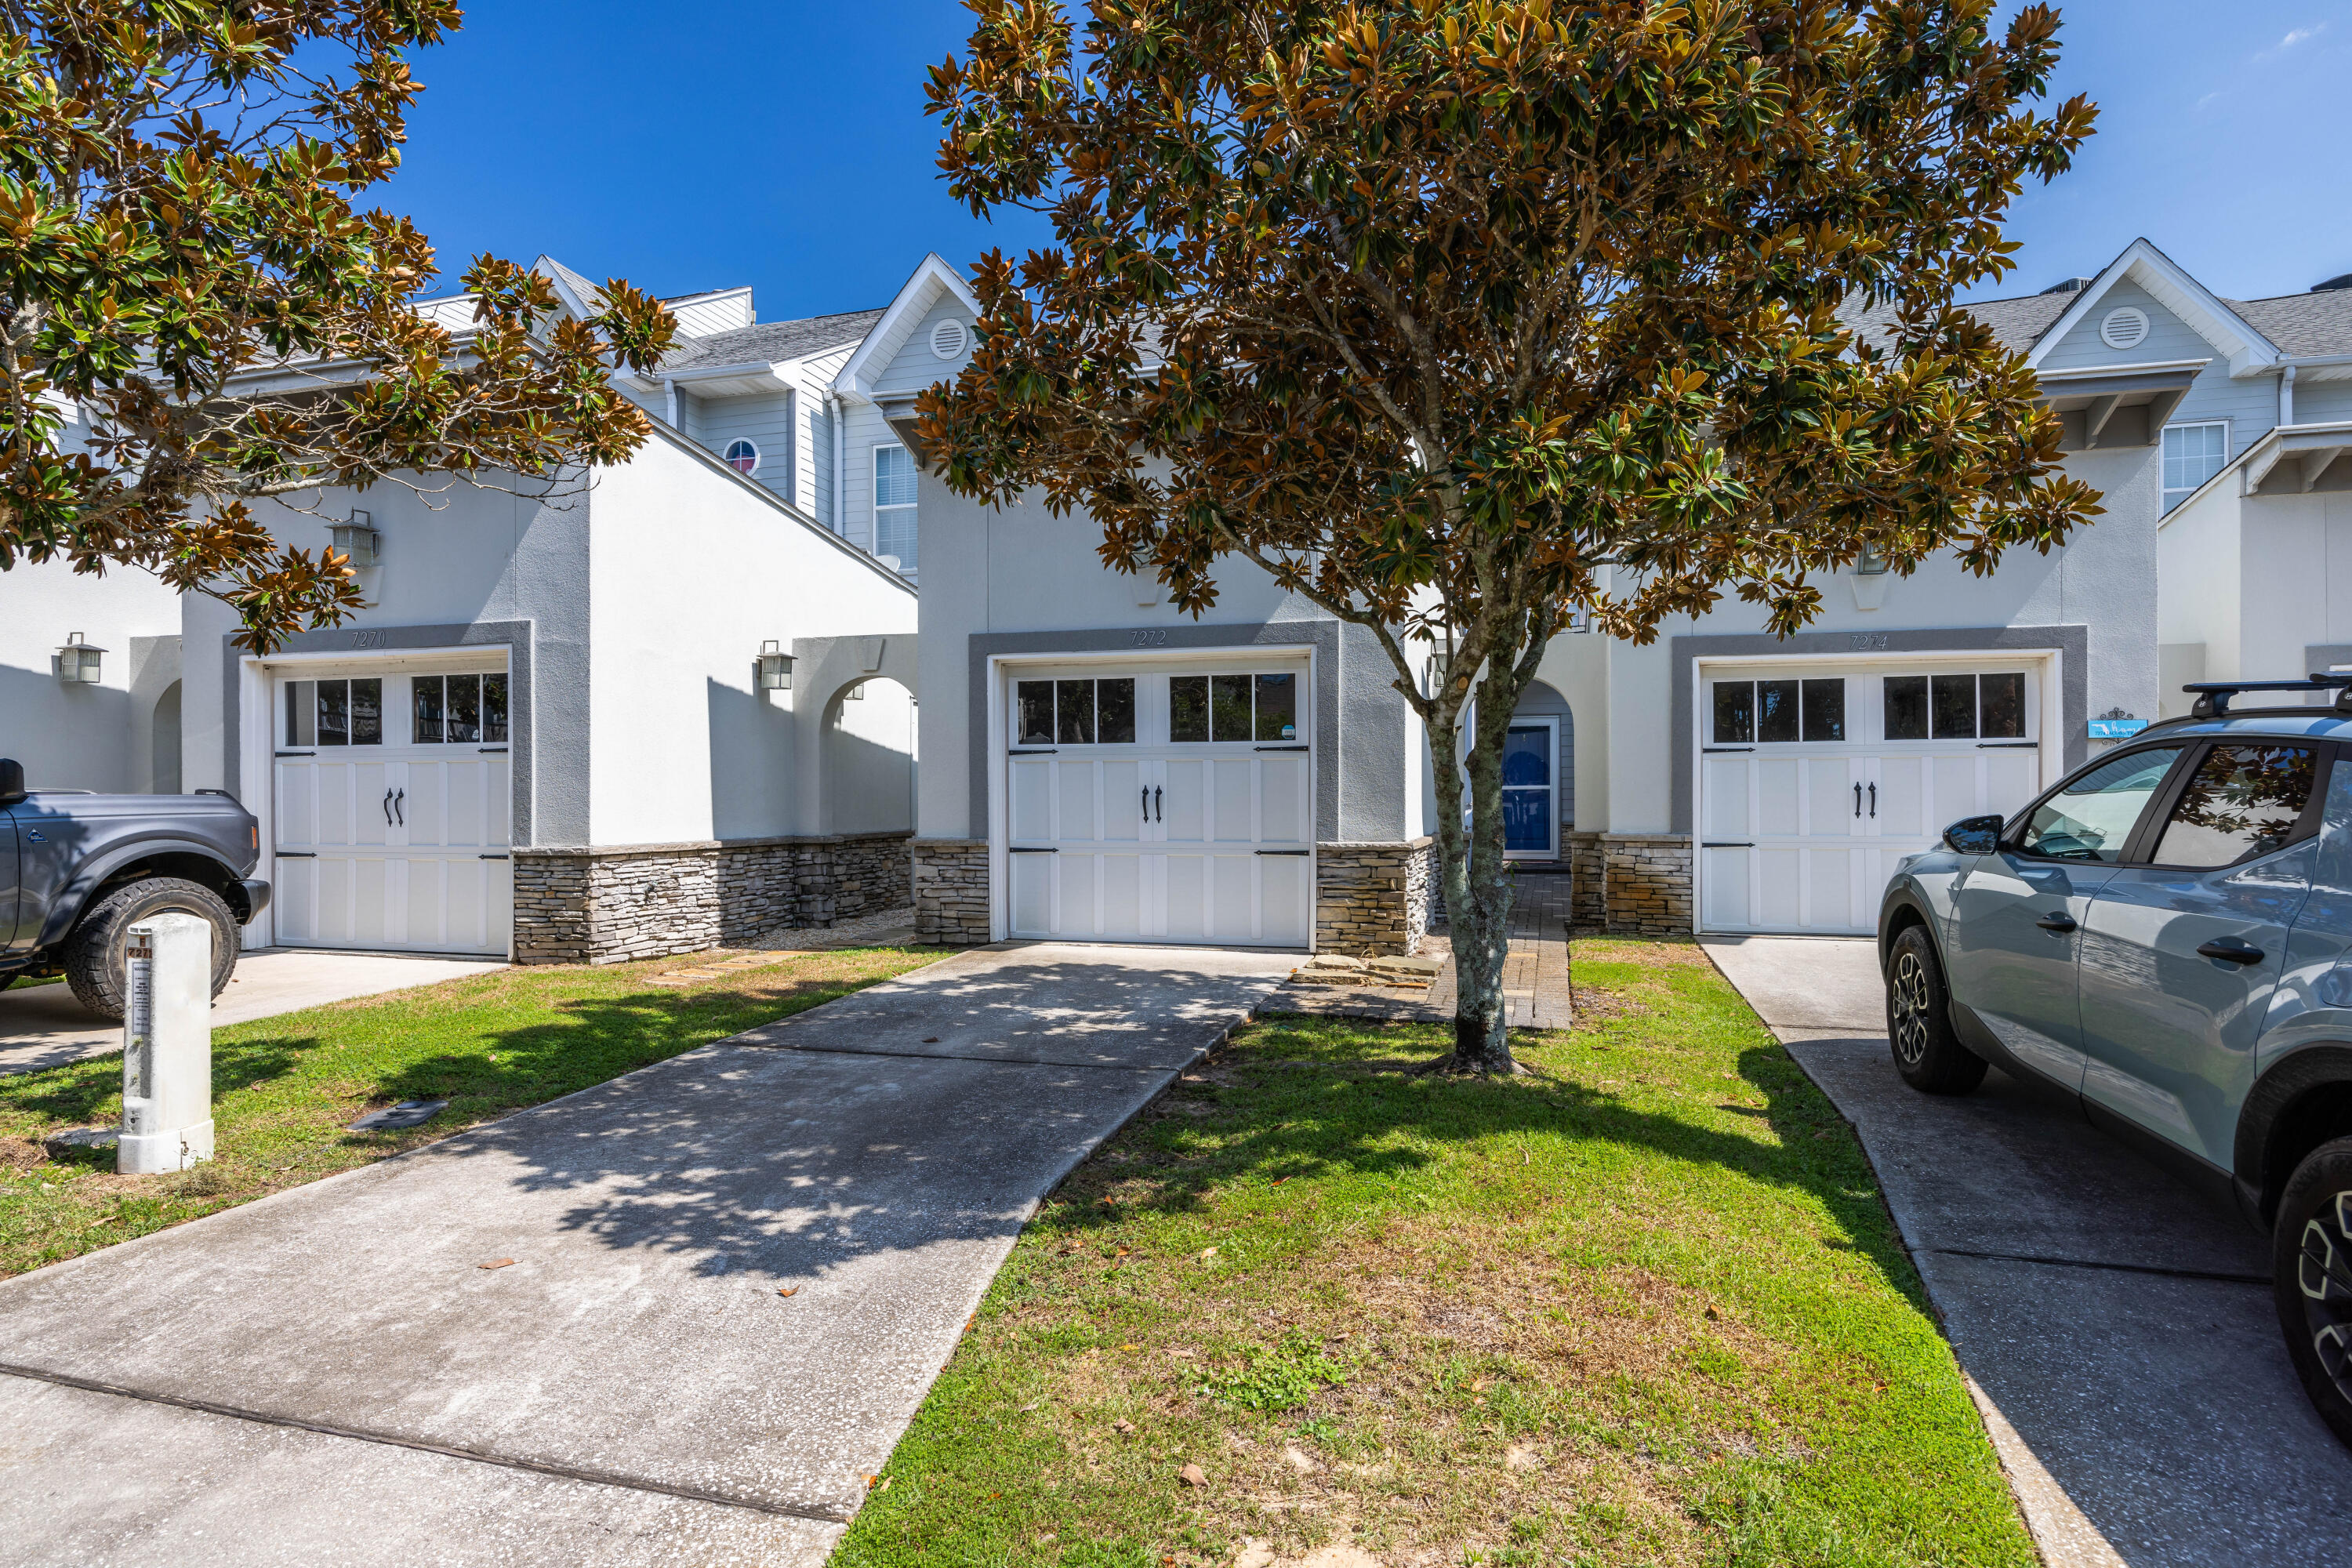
[[772, 340], [590, 295], [2303, 324], [2017, 323]]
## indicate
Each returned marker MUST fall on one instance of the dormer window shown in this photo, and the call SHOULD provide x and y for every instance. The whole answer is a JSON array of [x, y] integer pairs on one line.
[[743, 457]]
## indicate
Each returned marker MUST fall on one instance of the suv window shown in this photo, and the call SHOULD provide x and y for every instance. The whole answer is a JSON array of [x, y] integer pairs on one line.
[[2242, 801], [2090, 818]]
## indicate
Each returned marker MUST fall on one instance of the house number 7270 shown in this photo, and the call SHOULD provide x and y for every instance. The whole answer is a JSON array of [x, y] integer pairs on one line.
[[367, 639], [1149, 639]]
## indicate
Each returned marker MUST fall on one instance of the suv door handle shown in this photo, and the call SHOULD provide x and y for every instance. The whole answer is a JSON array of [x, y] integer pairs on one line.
[[2231, 949], [2058, 920]]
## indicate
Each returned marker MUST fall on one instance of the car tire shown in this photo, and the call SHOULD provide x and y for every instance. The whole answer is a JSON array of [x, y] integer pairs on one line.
[[93, 954], [1927, 1052], [2310, 1276]]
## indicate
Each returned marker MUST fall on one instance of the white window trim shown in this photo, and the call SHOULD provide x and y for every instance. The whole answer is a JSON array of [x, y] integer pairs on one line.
[[875, 506], [2229, 453], [757, 456]]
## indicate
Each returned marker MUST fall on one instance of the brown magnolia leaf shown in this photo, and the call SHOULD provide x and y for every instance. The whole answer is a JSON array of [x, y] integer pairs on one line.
[[788, 1290], [1122, 1426], [1192, 1476], [497, 1263]]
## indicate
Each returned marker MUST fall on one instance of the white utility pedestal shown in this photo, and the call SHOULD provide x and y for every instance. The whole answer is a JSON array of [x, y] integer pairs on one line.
[[167, 1046]]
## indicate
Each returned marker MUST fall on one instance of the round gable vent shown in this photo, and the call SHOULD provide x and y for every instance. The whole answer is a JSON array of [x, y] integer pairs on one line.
[[949, 339], [2125, 327]]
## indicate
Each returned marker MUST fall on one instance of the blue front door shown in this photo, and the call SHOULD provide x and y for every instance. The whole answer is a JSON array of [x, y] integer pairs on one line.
[[1527, 767]]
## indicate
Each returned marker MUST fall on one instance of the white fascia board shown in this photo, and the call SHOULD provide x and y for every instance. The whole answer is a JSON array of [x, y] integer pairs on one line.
[[932, 278], [2321, 367], [2283, 441], [2146, 367], [2164, 280]]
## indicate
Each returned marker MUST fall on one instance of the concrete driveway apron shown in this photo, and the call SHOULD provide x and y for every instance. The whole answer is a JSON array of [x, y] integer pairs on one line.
[[2117, 1328], [330, 1374]]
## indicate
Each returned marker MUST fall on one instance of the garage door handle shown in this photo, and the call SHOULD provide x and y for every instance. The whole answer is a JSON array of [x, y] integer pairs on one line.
[[2230, 950], [1857, 800], [1158, 805], [1874, 801], [400, 805], [387, 808], [2058, 920]]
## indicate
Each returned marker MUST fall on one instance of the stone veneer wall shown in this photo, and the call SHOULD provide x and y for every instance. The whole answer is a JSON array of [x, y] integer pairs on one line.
[[1638, 883], [951, 891], [612, 905], [1372, 900]]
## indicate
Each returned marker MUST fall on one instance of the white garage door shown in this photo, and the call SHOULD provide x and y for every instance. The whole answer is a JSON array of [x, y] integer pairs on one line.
[[1813, 782], [392, 811], [1161, 805]]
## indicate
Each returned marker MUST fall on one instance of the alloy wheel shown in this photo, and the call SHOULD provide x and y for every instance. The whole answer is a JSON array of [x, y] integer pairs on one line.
[[1909, 1004], [2324, 1273]]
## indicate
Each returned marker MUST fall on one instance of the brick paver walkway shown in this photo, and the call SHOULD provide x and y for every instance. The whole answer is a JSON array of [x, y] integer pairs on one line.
[[1537, 990]]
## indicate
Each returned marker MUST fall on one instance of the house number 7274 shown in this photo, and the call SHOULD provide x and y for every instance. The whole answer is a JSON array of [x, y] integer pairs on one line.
[[1149, 639], [1870, 639]]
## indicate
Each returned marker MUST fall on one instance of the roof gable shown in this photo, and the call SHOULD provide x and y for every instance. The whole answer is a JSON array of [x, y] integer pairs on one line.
[[2161, 279], [934, 284]]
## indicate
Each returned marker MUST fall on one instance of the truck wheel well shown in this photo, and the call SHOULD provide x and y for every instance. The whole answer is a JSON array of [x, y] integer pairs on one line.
[[2318, 1115], [1905, 917], [202, 869]]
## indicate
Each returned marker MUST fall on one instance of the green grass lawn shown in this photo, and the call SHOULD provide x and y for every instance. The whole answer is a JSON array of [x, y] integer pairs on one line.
[[1643, 1306], [285, 1087]]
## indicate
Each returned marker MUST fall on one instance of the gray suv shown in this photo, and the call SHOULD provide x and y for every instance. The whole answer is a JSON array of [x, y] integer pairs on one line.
[[2167, 935]]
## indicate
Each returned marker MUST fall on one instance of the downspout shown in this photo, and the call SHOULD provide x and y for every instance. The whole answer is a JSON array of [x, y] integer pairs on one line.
[[2286, 395], [840, 466], [670, 385]]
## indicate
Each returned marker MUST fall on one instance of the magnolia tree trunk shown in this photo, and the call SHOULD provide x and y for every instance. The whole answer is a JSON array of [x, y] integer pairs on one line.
[[1477, 878]]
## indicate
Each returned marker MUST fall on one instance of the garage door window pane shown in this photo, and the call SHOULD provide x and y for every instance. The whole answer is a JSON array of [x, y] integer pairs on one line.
[[424, 704], [466, 708], [1825, 709], [1776, 710], [494, 709], [2000, 707], [1735, 713], [1907, 707], [367, 712], [2242, 802], [1955, 704], [1229, 708], [1277, 707], [1034, 717], [1115, 712], [1074, 705], [1188, 708], [301, 712], [334, 713]]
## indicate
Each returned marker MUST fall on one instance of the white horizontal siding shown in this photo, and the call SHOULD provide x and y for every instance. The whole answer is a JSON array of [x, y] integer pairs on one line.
[[2322, 402], [866, 429], [718, 313], [2168, 337], [815, 375], [764, 418], [914, 366]]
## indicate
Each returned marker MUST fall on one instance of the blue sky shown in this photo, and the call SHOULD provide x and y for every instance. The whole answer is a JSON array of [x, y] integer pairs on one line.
[[783, 145]]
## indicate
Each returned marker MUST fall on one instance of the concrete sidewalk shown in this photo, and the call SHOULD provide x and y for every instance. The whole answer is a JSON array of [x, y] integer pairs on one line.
[[44, 1026], [2116, 1329], [337, 1377]]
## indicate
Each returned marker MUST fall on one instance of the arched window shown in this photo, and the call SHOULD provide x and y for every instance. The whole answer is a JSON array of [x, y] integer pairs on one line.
[[743, 457]]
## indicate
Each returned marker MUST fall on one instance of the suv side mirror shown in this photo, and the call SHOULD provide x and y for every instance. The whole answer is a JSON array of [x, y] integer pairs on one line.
[[1974, 834], [11, 781]]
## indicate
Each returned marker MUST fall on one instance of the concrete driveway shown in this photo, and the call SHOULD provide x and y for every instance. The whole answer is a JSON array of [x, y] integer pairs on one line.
[[331, 1375], [2117, 1330], [44, 1026]]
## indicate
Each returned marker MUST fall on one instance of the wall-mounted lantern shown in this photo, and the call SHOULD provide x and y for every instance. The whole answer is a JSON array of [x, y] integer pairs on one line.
[[773, 666], [1870, 570], [359, 540], [78, 662]]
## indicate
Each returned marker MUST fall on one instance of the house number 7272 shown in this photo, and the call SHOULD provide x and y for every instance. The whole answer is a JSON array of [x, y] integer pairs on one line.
[[1149, 639]]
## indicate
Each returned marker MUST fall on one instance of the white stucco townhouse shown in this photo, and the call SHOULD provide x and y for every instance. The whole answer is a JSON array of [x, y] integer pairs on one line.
[[1726, 781], [547, 734]]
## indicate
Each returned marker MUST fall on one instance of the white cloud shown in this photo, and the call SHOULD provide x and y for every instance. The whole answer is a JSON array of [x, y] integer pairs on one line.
[[2294, 37]]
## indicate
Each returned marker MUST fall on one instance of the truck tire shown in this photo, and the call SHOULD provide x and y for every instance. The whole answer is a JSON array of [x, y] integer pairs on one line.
[[93, 954]]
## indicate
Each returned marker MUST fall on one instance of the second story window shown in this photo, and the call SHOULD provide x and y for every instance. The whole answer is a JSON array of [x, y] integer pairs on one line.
[[894, 505], [2192, 454], [743, 457]]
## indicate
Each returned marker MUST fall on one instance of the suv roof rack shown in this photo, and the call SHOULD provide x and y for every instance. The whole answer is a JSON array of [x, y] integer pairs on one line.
[[2213, 696]]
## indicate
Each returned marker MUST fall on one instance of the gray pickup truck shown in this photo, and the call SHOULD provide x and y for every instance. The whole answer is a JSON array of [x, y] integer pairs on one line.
[[77, 870]]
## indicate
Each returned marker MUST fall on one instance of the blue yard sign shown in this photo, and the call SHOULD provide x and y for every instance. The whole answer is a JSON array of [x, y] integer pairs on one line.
[[2116, 728]]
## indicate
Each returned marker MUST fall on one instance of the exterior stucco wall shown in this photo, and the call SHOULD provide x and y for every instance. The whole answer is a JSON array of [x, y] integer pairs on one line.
[[79, 736], [690, 569], [2294, 584]]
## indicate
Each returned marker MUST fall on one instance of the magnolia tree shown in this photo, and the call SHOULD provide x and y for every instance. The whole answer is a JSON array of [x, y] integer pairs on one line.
[[1458, 317], [194, 316]]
